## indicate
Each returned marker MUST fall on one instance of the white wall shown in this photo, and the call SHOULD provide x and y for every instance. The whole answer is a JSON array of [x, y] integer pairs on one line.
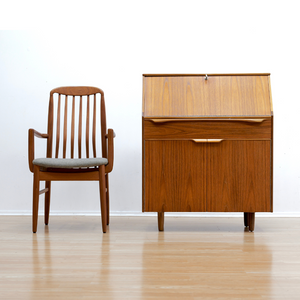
[[110, 44]]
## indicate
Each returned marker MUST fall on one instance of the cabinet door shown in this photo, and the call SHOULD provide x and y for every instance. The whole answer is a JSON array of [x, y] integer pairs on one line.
[[174, 176], [239, 176]]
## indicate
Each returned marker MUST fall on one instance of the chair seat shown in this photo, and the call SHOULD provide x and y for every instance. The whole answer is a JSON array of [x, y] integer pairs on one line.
[[70, 162]]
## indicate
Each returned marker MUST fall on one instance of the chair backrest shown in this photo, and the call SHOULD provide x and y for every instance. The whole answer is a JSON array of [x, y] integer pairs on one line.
[[75, 116]]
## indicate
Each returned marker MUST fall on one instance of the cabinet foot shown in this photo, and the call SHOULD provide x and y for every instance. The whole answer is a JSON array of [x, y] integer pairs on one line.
[[251, 221], [161, 219], [246, 219]]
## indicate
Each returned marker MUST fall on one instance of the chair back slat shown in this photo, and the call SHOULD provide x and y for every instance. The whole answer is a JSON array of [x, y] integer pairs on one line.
[[94, 126], [80, 128], [76, 120], [73, 127], [87, 126], [50, 128], [65, 127], [57, 128], [103, 128]]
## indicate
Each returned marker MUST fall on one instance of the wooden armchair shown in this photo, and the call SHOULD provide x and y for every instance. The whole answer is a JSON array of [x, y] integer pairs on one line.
[[75, 114]]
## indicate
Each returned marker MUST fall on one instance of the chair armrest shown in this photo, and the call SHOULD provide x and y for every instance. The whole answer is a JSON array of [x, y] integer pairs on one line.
[[110, 136], [31, 134]]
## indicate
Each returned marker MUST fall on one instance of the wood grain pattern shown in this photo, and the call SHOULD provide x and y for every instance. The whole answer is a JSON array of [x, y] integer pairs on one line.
[[194, 258], [230, 176], [238, 176], [90, 175], [207, 129], [218, 96], [174, 176], [76, 90]]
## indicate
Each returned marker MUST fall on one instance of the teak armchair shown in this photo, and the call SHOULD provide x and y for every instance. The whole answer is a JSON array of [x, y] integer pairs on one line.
[[73, 111]]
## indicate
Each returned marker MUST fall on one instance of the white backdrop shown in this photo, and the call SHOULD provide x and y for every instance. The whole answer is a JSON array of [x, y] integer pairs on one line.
[[110, 44]]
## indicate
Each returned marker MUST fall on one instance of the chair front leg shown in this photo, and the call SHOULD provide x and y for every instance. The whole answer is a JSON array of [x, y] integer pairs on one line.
[[102, 185], [35, 201]]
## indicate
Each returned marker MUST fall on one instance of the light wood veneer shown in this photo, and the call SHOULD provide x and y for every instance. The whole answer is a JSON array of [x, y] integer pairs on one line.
[[194, 258], [219, 95]]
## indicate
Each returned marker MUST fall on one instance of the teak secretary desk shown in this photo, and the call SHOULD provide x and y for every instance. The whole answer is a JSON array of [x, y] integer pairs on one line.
[[207, 144]]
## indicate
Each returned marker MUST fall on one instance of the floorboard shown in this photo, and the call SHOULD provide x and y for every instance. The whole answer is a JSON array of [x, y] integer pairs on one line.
[[194, 258]]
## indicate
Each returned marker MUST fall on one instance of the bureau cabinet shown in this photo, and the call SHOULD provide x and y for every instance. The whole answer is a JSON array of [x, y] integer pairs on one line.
[[207, 144]]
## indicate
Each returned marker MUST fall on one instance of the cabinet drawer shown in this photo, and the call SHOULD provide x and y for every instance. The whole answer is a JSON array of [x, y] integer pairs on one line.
[[208, 128]]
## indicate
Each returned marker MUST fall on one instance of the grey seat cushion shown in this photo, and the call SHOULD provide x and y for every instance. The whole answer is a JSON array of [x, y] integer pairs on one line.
[[70, 162]]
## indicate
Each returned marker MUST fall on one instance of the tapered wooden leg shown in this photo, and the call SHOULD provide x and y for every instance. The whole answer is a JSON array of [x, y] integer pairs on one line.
[[35, 201], [161, 219], [246, 219], [103, 197], [251, 221], [107, 199], [47, 202]]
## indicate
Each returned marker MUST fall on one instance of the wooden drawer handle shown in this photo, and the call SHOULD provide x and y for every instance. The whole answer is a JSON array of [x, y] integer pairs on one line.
[[207, 140], [197, 120]]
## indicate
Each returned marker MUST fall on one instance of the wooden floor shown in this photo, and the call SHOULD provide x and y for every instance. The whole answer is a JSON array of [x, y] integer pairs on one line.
[[194, 258]]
